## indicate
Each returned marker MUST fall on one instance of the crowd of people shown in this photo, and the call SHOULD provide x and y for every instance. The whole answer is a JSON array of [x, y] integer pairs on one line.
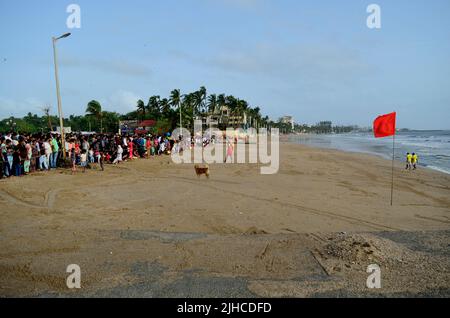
[[22, 154]]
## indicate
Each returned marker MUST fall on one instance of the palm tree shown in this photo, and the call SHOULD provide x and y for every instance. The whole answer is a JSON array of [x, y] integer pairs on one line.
[[141, 108], [153, 106], [164, 106], [221, 103], [197, 100], [175, 101], [175, 98], [242, 109], [189, 103], [95, 109], [232, 105], [257, 114], [212, 103], [203, 96]]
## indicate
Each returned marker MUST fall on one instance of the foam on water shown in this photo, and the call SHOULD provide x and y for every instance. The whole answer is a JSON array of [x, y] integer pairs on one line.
[[432, 147]]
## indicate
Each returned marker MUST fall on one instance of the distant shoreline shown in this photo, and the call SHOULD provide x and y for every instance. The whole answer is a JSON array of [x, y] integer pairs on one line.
[[289, 139]]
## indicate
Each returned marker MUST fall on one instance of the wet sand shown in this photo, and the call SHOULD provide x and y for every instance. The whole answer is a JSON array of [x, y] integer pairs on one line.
[[151, 228]]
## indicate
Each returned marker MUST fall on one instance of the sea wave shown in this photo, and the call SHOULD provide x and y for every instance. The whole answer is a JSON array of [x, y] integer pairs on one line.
[[432, 147], [447, 171]]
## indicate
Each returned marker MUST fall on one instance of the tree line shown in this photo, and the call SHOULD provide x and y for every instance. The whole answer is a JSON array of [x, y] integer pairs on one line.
[[165, 110], [228, 110]]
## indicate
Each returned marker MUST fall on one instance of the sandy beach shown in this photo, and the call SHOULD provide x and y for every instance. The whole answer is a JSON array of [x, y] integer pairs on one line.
[[151, 228]]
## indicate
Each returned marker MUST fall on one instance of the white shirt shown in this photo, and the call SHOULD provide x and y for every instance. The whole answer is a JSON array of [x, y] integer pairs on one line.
[[48, 148]]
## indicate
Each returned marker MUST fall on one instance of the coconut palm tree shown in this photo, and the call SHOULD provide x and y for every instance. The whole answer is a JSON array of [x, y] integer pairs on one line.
[[175, 98], [141, 108], [164, 106], [231, 102], [203, 96], [175, 102], [221, 103], [189, 103], [212, 103], [95, 109], [197, 99], [153, 106]]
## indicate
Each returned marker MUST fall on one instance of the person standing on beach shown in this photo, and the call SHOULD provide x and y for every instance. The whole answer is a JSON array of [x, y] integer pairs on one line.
[[408, 161], [101, 159], [48, 151], [73, 158], [230, 150], [83, 160], [27, 161], [130, 148], [5, 169], [414, 160], [54, 154]]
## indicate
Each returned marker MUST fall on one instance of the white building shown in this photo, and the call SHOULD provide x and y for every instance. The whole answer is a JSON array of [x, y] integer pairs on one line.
[[288, 120]]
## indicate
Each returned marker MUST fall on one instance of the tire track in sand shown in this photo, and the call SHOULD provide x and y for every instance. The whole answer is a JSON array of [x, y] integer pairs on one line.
[[350, 219]]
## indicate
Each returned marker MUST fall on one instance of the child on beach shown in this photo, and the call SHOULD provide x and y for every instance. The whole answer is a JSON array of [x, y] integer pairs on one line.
[[73, 159], [83, 160], [91, 155]]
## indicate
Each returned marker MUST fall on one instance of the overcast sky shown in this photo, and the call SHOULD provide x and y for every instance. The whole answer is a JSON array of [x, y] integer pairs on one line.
[[315, 60]]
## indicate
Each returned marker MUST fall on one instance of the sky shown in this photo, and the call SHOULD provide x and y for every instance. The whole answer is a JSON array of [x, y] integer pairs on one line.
[[314, 60]]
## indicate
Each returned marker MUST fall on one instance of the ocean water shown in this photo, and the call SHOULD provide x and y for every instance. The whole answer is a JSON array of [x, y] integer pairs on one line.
[[432, 147]]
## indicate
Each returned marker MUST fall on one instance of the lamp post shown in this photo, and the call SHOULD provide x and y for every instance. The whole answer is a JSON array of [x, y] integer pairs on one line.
[[58, 94], [181, 124]]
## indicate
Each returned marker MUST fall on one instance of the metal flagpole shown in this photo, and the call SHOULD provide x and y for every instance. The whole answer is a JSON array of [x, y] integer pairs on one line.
[[393, 158]]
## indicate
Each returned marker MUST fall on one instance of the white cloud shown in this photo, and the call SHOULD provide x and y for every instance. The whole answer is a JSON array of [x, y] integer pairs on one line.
[[18, 108], [121, 101], [309, 63]]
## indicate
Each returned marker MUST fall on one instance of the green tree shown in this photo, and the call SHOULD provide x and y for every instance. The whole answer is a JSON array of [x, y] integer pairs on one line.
[[154, 107], [94, 109], [141, 108], [203, 95], [165, 108], [212, 103], [111, 120]]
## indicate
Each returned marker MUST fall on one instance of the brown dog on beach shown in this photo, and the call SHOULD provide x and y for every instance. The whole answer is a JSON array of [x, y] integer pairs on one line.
[[202, 170]]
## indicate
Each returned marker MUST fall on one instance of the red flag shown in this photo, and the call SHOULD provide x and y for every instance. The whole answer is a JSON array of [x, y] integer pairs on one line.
[[384, 126]]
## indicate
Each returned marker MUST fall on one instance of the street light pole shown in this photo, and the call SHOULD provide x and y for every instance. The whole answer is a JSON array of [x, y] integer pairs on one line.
[[181, 124], [58, 94]]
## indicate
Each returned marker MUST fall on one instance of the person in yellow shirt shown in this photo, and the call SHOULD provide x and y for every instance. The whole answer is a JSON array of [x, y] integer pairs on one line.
[[408, 161], [414, 161]]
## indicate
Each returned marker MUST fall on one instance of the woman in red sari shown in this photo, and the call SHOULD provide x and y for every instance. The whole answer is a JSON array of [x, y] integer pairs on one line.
[[130, 148]]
